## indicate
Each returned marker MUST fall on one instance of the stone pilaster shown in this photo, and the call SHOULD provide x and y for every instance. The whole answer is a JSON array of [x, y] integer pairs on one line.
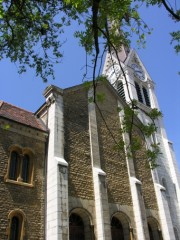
[[102, 227], [57, 178], [139, 210], [137, 199], [164, 213]]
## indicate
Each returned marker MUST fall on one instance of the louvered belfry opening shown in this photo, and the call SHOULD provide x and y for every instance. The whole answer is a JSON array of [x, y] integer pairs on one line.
[[120, 89], [139, 94], [146, 97]]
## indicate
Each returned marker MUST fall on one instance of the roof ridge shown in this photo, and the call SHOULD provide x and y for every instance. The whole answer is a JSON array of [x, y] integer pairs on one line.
[[17, 107]]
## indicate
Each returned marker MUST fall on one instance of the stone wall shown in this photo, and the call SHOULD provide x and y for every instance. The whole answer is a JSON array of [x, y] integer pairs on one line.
[[143, 173], [113, 161], [77, 143], [30, 200]]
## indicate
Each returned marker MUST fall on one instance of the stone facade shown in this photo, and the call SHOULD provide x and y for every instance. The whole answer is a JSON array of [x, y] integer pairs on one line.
[[143, 173], [77, 144], [113, 161], [30, 200]]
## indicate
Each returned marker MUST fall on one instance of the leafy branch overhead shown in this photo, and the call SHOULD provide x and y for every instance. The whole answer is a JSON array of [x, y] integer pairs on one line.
[[139, 133], [31, 35], [31, 31]]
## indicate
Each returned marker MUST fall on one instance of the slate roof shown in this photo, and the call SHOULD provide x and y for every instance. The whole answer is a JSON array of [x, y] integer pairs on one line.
[[21, 116]]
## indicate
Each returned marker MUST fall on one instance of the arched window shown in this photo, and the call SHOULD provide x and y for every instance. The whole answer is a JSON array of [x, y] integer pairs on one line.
[[16, 225], [25, 168], [76, 227], [14, 164], [154, 230], [116, 229], [20, 166]]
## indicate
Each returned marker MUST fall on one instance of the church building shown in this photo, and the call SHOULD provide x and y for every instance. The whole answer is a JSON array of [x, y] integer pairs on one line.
[[62, 176]]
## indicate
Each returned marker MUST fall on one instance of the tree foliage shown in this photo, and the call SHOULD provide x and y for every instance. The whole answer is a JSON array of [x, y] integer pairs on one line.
[[31, 30]]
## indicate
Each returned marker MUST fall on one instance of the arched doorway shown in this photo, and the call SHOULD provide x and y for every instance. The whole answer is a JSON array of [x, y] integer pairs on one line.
[[150, 232], [154, 230], [80, 225], [76, 227], [116, 229]]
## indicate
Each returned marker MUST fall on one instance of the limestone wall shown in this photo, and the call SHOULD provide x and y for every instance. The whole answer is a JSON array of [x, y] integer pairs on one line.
[[113, 162], [30, 200], [77, 144]]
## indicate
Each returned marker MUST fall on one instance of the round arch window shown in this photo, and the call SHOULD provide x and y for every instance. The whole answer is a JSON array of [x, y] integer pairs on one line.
[[76, 227]]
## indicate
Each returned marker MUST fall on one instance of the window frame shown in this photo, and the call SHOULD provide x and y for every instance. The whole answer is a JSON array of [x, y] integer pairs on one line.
[[21, 153], [17, 213]]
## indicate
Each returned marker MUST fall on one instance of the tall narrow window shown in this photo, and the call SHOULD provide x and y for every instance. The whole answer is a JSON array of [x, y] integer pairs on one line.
[[120, 89], [15, 229], [139, 94], [13, 168], [146, 97], [16, 225], [25, 168]]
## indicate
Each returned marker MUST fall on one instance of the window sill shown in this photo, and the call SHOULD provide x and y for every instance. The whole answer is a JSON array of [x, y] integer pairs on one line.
[[19, 183]]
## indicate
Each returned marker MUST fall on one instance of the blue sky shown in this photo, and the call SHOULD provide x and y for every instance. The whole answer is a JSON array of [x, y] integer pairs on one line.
[[158, 57]]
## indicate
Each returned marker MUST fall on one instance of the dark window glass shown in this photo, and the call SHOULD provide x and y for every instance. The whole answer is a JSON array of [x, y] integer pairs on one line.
[[15, 229], [76, 227], [120, 89], [146, 97], [25, 168], [13, 169], [116, 229], [139, 94]]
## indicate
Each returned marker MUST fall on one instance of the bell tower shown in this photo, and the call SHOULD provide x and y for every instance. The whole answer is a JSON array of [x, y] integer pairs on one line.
[[129, 77]]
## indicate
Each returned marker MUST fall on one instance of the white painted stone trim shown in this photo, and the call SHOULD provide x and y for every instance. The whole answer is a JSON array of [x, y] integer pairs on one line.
[[137, 208], [99, 171], [164, 214], [61, 161], [57, 214]]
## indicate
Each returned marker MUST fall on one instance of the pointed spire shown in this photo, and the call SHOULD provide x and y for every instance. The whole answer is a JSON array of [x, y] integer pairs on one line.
[[124, 50]]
